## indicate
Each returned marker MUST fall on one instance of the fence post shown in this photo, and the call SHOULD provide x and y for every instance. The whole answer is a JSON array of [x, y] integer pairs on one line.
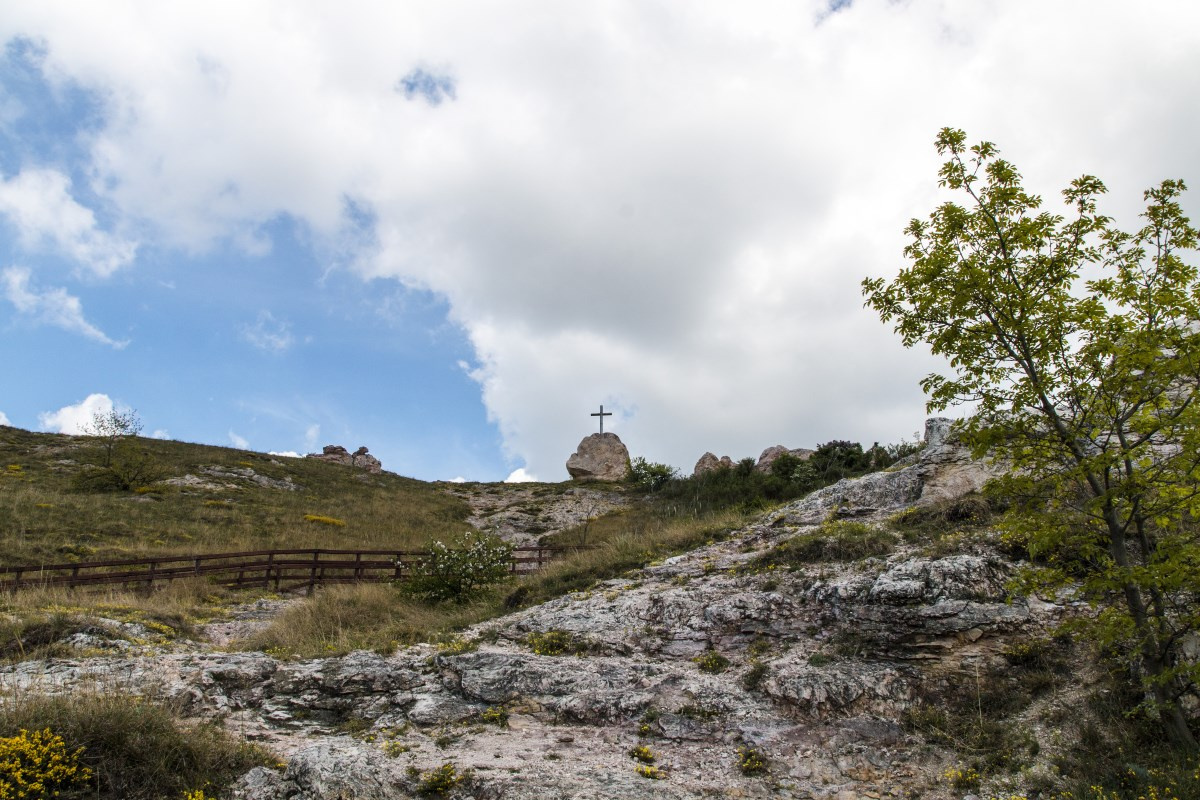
[[312, 575], [150, 575]]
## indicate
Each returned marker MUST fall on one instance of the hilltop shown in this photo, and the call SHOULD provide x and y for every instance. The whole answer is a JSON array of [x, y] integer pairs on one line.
[[861, 641]]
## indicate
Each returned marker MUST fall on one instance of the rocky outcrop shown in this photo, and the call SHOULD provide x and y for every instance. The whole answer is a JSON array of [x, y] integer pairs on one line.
[[600, 457], [360, 458], [769, 456], [696, 656], [710, 463], [943, 470]]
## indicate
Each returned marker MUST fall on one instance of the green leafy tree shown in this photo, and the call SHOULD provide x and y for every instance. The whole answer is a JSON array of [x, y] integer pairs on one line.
[[111, 426], [1079, 345], [649, 475]]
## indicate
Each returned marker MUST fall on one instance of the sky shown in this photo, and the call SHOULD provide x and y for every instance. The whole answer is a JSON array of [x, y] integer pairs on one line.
[[449, 231]]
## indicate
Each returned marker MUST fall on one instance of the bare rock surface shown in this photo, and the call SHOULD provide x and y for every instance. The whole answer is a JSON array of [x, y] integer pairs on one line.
[[599, 457], [522, 513], [943, 470]]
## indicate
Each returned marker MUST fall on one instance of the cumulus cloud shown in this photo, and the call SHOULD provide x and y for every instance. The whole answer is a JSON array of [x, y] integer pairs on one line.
[[4, 419], [284, 453], [78, 418], [667, 211], [240, 442], [39, 204], [521, 475], [160, 433], [50, 307], [268, 333]]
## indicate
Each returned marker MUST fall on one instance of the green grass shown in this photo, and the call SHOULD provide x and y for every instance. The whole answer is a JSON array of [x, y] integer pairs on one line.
[[136, 749], [46, 518]]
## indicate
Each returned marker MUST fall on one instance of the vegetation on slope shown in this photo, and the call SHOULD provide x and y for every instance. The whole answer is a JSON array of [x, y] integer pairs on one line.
[[49, 514]]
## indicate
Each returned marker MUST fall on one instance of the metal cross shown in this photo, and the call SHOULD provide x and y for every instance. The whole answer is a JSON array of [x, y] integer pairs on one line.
[[602, 414]]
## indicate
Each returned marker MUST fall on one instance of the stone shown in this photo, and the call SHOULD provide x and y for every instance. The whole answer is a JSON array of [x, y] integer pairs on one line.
[[771, 453], [360, 458], [943, 470], [710, 463], [600, 457]]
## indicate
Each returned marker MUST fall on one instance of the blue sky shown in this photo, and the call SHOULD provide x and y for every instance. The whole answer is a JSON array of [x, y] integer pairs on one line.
[[450, 233]]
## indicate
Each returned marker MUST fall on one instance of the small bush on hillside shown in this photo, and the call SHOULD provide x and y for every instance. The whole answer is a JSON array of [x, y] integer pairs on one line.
[[648, 475], [133, 748], [127, 466], [462, 569], [37, 765]]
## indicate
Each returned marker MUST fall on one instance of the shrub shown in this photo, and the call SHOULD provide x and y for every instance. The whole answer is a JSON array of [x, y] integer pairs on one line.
[[551, 643], [461, 570], [642, 753], [712, 662], [754, 676], [494, 715], [134, 749], [439, 781], [36, 765], [750, 761], [648, 475], [647, 771]]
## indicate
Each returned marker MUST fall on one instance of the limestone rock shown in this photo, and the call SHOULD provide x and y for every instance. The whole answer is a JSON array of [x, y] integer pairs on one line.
[[600, 457], [710, 463], [771, 453], [361, 458], [943, 470]]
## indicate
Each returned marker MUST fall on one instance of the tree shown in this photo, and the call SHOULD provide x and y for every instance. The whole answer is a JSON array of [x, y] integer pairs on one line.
[[111, 426], [1086, 385]]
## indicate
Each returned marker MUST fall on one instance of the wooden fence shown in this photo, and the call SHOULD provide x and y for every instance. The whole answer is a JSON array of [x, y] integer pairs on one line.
[[278, 569]]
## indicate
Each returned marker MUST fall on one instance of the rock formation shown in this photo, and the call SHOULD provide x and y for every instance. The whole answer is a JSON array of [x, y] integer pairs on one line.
[[709, 462], [360, 458], [600, 457], [771, 453], [943, 470]]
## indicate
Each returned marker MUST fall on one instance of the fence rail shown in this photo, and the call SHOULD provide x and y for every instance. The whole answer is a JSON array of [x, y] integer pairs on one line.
[[278, 569]]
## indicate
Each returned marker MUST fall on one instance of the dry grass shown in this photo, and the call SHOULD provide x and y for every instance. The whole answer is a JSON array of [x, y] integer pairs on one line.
[[46, 518], [380, 617], [33, 622], [136, 749]]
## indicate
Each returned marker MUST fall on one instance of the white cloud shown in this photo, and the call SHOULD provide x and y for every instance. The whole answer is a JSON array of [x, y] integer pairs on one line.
[[77, 418], [50, 307], [241, 443], [268, 333], [160, 433], [39, 204], [4, 419], [458, 479], [521, 475], [666, 209], [312, 435], [284, 453]]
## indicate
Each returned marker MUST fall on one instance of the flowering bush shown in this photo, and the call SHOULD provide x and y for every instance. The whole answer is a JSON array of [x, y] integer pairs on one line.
[[35, 765], [461, 569]]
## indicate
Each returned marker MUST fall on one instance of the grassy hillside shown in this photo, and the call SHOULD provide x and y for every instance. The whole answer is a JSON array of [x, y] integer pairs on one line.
[[51, 512]]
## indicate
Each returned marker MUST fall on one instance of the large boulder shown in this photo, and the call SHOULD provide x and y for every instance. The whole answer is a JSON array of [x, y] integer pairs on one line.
[[710, 463], [360, 458], [600, 457], [771, 453]]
